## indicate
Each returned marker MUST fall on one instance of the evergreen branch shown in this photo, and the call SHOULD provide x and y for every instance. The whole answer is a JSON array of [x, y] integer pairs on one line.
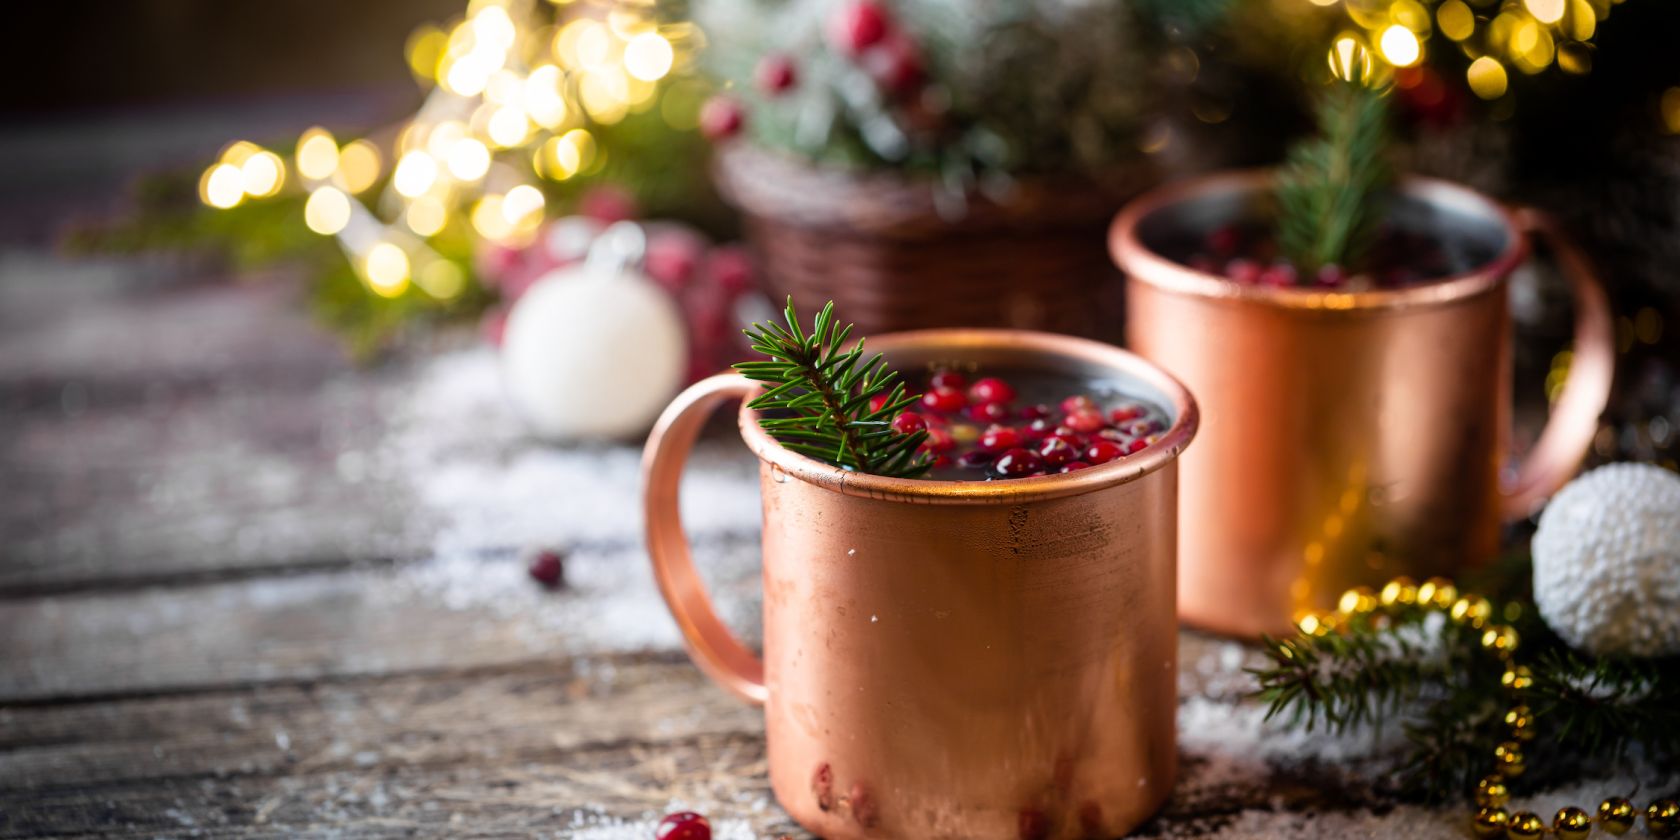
[[817, 396], [1329, 191]]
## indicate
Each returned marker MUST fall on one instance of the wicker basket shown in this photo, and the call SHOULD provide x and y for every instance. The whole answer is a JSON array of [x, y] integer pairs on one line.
[[877, 246]]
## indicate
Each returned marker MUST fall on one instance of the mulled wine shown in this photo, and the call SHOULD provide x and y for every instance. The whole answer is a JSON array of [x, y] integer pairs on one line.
[[987, 425]]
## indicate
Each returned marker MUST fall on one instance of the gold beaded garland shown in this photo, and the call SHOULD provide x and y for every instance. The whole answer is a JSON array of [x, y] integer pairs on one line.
[[1359, 599], [1572, 823], [1471, 609], [1662, 818], [1615, 815], [1491, 792], [1437, 592], [1500, 638], [1399, 592], [1525, 825], [1489, 822], [1508, 759], [1521, 722], [1517, 678]]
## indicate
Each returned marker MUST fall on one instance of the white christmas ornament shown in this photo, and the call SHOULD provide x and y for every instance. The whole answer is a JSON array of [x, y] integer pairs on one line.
[[1607, 561], [595, 350]]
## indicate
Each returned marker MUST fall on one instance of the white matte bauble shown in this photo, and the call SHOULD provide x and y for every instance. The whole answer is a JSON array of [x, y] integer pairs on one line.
[[1607, 561], [593, 353]]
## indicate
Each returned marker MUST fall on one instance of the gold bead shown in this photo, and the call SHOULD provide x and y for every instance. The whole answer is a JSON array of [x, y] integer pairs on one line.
[[1472, 609], [1501, 639], [1518, 678], [1509, 759], [1437, 592], [1309, 623], [1662, 818], [1521, 721], [1359, 599], [1616, 815], [1489, 822], [1491, 792], [1399, 592], [1572, 823], [1525, 825]]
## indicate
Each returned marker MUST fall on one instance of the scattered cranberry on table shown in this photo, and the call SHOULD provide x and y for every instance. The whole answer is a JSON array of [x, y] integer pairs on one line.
[[547, 568], [683, 825]]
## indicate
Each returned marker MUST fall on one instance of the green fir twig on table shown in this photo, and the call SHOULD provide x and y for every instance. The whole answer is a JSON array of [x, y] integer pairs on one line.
[[818, 395], [1330, 190]]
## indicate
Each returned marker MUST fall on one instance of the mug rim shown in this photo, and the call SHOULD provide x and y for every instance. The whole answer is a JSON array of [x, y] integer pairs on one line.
[[1142, 264], [1019, 490]]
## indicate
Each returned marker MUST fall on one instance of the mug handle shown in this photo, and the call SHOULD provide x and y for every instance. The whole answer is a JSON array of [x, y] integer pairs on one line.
[[1563, 443], [710, 644]]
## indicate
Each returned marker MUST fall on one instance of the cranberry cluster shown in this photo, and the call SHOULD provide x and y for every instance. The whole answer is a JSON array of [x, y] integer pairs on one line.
[[979, 428], [1250, 256]]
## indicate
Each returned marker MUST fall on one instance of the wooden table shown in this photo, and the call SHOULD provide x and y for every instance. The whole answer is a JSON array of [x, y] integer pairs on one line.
[[250, 589]]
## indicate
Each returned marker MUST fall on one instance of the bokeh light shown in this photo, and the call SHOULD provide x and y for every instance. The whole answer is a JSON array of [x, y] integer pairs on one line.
[[317, 154], [1400, 47], [441, 279], [648, 57], [468, 159], [327, 211], [222, 186], [415, 174], [358, 165], [262, 174], [426, 216], [1486, 77], [387, 269]]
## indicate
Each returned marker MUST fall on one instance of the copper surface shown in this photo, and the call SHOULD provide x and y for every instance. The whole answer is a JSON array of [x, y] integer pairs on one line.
[[952, 659], [1349, 437]]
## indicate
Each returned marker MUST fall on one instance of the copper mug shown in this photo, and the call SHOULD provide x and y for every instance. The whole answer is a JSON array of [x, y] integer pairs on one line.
[[951, 659], [1351, 436]]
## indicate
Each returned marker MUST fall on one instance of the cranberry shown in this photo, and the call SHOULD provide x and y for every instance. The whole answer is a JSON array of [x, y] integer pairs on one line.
[[548, 569], [1073, 466], [730, 268], [947, 378], [989, 412], [1126, 411], [683, 825], [896, 66], [1103, 451], [991, 390], [1139, 428], [999, 438], [1056, 452], [1077, 402], [1330, 274], [822, 786], [1017, 463], [1279, 275], [975, 460], [1037, 411], [944, 400], [878, 402], [1137, 446], [938, 440], [1225, 240], [908, 423], [775, 74], [940, 461], [1086, 421], [1039, 429], [1033, 824], [721, 118], [857, 26], [1245, 272]]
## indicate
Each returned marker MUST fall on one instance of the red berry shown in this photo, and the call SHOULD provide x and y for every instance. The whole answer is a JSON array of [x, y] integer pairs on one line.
[[1017, 463], [944, 400], [1077, 402], [1056, 452], [1103, 451], [721, 118], [1085, 421], [988, 412], [946, 378], [878, 402], [730, 268], [1036, 411], [775, 74], [1126, 411], [999, 438], [908, 423], [1330, 275], [1225, 240], [895, 66], [1279, 275], [683, 825], [991, 390], [939, 440], [978, 459], [857, 26], [548, 569], [941, 461], [1069, 437], [1137, 446], [1245, 272], [1073, 466]]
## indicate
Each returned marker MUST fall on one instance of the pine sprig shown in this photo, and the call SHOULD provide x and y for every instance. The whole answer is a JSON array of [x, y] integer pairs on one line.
[[818, 395], [1329, 191]]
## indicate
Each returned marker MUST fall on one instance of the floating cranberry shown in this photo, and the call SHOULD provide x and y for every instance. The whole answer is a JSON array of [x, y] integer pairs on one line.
[[1077, 402], [999, 438], [991, 390], [730, 268], [1126, 411], [775, 74], [989, 412], [1225, 240], [941, 461], [1037, 411], [1017, 463], [721, 118], [1112, 434], [895, 66], [1073, 466], [1103, 451], [683, 825], [878, 402], [1033, 824], [1245, 272], [547, 568], [944, 400], [857, 26], [1039, 429], [1330, 274], [1137, 446], [938, 440], [975, 460], [822, 786], [1056, 452], [908, 423], [1278, 275], [947, 378], [1139, 428], [1085, 421]]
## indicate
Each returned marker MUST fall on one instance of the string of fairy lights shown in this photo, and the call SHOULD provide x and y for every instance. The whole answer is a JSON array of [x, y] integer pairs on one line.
[[515, 91]]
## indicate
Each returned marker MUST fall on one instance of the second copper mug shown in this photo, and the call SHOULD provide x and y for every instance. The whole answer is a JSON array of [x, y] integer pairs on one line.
[[952, 659], [1350, 436]]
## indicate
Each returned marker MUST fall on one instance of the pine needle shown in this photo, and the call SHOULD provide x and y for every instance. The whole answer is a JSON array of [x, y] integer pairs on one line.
[[1329, 192]]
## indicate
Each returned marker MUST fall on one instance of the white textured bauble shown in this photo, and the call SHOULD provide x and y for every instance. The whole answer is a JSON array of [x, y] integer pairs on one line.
[[593, 353], [1607, 561]]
